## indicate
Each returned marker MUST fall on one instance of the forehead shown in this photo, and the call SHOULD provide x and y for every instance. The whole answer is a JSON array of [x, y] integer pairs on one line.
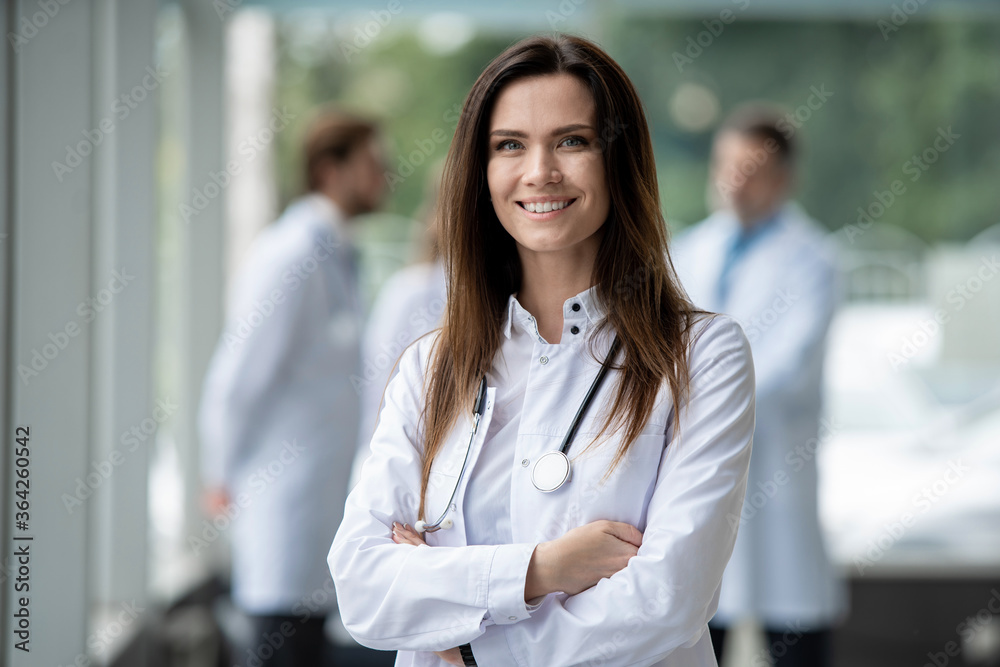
[[538, 103], [732, 146]]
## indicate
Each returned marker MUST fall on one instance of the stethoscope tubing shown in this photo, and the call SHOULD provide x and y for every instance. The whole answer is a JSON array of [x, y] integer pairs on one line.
[[588, 399], [477, 412], [479, 409]]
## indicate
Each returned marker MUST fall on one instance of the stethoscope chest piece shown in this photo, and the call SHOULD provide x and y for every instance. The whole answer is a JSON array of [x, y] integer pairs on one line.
[[550, 471]]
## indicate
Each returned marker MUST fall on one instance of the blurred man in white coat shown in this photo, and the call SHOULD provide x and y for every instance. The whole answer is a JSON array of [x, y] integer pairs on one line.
[[762, 260], [278, 416]]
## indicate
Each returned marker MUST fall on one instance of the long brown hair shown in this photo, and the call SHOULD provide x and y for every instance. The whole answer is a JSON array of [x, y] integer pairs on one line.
[[635, 280]]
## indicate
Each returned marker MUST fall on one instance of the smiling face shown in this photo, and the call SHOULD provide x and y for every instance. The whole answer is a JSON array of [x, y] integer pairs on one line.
[[545, 168]]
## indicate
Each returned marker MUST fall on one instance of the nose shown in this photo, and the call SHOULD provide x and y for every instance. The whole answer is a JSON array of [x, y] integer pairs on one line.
[[541, 167]]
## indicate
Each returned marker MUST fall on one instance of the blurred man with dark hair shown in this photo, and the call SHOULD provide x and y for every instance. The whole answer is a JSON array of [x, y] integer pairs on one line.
[[762, 260], [278, 416]]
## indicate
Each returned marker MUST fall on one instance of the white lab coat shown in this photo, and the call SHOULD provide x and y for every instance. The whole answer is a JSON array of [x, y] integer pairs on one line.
[[678, 491], [783, 291], [278, 416]]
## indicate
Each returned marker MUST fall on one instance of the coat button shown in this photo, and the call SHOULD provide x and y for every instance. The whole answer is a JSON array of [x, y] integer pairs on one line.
[[576, 307], [512, 618], [524, 463], [543, 360], [574, 330]]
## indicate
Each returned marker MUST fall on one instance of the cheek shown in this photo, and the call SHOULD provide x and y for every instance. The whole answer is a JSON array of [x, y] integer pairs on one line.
[[500, 177], [592, 177]]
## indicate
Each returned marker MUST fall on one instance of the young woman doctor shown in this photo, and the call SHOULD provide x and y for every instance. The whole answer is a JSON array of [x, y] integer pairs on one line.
[[554, 529]]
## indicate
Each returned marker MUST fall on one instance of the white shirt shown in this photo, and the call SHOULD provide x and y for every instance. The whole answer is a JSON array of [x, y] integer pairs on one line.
[[278, 414], [783, 290], [678, 491]]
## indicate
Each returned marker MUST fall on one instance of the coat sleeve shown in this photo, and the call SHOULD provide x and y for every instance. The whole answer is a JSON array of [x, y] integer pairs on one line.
[[663, 599], [400, 597]]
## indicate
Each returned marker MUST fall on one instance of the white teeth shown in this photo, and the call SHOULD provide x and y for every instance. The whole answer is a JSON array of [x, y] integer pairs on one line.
[[545, 207]]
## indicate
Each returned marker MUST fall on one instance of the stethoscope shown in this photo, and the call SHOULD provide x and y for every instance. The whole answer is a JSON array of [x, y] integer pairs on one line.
[[551, 470]]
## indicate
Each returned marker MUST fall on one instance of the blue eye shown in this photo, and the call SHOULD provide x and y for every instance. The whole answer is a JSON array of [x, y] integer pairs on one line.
[[580, 141], [508, 144]]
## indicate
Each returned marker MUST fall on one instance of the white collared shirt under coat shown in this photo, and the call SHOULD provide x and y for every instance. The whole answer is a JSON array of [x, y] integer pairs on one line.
[[467, 585], [783, 291], [278, 416]]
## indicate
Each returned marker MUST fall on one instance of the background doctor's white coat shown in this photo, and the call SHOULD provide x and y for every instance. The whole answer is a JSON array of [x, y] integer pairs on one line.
[[279, 415], [783, 291]]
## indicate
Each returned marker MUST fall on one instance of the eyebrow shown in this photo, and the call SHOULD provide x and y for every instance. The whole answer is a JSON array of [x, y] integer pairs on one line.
[[559, 130]]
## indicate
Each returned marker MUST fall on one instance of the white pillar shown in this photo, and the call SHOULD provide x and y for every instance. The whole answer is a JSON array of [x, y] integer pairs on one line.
[[252, 198], [50, 270], [125, 413], [201, 239]]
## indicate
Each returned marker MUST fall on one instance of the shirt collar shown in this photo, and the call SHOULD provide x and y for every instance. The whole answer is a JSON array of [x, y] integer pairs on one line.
[[589, 310]]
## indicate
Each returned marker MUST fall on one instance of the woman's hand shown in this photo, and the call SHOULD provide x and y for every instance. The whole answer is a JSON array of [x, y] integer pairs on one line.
[[570, 564], [403, 534], [580, 558], [452, 656]]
